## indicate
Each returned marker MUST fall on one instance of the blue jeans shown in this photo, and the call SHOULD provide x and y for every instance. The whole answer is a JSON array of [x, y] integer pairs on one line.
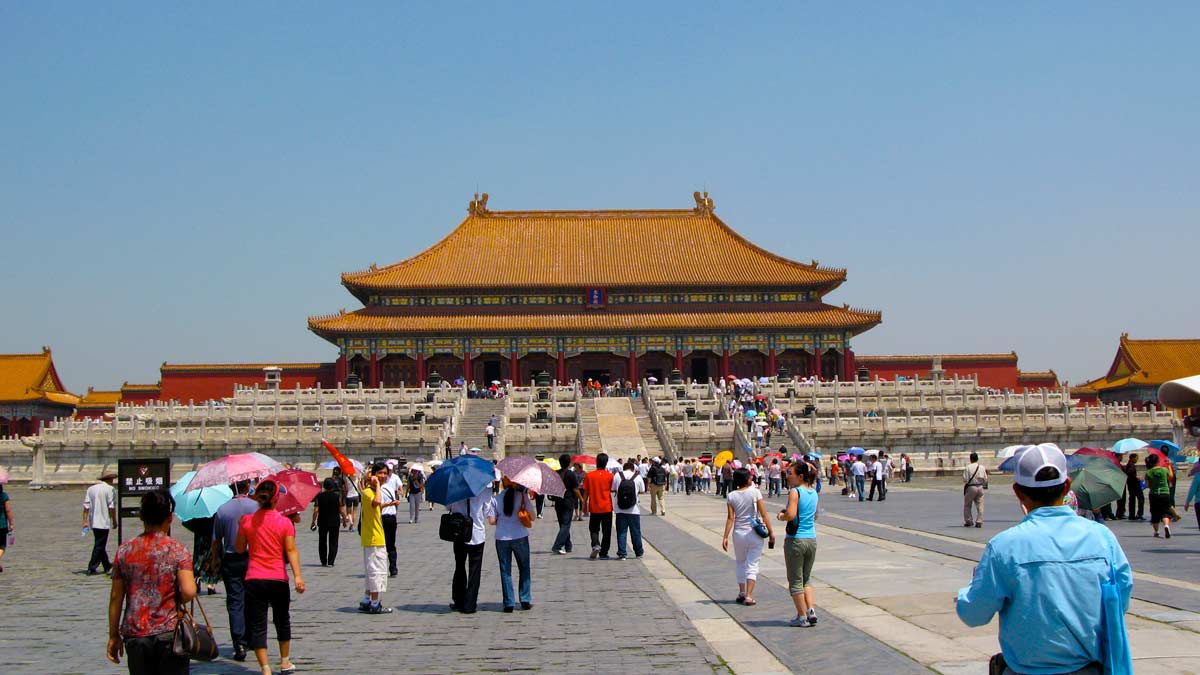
[[631, 524], [233, 573], [860, 484], [505, 550]]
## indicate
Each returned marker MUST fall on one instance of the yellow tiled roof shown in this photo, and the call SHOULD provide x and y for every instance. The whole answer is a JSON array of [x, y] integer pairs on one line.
[[31, 377], [99, 399], [946, 358], [378, 320], [208, 367], [580, 249], [140, 387], [1036, 375], [1150, 363]]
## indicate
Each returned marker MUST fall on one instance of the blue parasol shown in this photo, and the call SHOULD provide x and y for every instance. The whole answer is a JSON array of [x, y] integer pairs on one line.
[[460, 478], [201, 503], [1174, 453], [856, 451]]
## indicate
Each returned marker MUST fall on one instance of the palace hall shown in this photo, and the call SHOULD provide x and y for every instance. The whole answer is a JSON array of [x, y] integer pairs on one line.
[[607, 295]]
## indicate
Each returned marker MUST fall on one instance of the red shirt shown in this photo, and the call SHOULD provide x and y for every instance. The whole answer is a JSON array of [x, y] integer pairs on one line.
[[149, 565], [598, 484], [265, 531]]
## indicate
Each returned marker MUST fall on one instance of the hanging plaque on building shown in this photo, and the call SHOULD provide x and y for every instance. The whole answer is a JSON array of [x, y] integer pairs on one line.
[[596, 297]]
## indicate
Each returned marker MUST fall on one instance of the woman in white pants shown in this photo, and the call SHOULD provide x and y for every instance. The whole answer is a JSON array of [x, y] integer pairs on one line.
[[745, 505]]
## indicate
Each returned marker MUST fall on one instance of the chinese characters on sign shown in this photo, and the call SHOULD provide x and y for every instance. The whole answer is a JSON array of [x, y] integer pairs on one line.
[[596, 297], [138, 476]]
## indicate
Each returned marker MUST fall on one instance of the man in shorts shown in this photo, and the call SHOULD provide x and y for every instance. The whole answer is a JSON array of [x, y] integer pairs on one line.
[[374, 545]]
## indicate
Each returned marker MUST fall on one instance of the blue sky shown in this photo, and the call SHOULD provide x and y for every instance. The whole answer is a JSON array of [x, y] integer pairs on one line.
[[185, 183]]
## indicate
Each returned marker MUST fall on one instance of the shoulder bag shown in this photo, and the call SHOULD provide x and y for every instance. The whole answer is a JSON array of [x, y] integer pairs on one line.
[[968, 483], [455, 528], [193, 640]]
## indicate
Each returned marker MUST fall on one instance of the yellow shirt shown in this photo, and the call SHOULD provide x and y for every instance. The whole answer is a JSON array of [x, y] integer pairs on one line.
[[371, 520]]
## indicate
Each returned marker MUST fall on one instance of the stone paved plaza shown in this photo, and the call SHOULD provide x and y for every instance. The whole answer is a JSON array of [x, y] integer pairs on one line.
[[886, 574]]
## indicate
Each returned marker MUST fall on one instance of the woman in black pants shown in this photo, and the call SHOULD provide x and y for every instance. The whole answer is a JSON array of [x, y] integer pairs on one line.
[[269, 536], [329, 515]]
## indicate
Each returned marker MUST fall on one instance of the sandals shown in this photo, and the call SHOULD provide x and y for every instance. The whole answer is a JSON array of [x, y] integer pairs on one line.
[[749, 602], [741, 599]]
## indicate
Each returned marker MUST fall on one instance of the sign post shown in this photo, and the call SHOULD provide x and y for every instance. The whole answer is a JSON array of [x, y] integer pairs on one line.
[[136, 477]]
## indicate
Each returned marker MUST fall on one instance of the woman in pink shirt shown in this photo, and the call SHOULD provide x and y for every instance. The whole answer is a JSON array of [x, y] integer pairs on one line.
[[269, 536]]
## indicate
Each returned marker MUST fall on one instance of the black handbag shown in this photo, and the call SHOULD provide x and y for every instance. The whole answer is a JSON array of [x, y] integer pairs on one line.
[[193, 640], [455, 528]]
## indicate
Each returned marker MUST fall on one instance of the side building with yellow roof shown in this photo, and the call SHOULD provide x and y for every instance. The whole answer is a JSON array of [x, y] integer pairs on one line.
[[30, 393], [605, 295], [1140, 366]]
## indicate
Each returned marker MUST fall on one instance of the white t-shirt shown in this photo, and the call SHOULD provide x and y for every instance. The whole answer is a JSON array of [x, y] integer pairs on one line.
[[877, 469], [98, 499], [707, 472], [641, 488], [745, 506], [475, 508], [388, 493], [858, 468], [490, 430]]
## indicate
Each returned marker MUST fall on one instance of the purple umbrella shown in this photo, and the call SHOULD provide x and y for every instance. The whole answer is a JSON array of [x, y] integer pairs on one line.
[[532, 474]]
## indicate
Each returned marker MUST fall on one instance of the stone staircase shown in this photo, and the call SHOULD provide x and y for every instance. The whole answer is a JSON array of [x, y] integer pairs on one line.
[[589, 428], [649, 438], [472, 423]]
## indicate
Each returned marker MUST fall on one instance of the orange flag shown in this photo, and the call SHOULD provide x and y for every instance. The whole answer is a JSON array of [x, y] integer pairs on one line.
[[342, 460]]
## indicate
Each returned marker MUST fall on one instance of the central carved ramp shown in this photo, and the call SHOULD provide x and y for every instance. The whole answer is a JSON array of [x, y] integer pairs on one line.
[[619, 433]]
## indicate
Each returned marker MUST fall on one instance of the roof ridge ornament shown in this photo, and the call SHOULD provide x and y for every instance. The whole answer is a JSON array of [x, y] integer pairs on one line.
[[704, 205], [478, 206]]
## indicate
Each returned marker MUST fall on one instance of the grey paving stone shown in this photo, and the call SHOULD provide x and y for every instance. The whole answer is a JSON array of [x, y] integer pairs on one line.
[[53, 619]]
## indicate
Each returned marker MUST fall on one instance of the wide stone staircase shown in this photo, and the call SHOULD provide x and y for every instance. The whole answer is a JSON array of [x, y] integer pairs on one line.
[[472, 424], [589, 428], [646, 428]]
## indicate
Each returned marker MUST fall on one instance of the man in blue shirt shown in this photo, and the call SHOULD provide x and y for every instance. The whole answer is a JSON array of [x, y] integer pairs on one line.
[[1043, 575], [233, 564]]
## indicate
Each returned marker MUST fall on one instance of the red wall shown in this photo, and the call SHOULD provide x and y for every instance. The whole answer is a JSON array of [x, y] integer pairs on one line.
[[202, 385], [140, 397], [996, 374]]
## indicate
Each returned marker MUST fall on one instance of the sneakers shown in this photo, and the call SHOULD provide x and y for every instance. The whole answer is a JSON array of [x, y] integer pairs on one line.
[[1167, 531], [379, 609], [595, 553], [799, 622], [364, 605], [622, 558], [558, 551], [526, 605], [812, 616]]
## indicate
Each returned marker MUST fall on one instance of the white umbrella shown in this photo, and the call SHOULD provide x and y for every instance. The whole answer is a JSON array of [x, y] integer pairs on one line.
[[652, 379], [1010, 451], [436, 462]]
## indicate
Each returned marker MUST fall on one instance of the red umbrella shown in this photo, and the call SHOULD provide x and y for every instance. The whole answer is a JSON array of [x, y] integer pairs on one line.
[[297, 489], [1162, 458], [583, 459], [1099, 452], [704, 459], [773, 454]]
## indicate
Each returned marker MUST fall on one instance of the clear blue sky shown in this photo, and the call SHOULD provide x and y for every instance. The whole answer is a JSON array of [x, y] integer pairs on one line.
[[184, 182]]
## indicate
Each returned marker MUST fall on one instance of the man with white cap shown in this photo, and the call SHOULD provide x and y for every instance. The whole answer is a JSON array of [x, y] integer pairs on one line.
[[1044, 575]]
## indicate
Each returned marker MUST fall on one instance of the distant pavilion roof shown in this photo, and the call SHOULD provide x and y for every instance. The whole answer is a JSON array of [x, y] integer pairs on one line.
[[1149, 363], [381, 319], [577, 249], [26, 378]]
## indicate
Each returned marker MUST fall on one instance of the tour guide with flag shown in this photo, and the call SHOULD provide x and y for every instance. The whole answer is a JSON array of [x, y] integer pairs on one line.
[[1060, 583]]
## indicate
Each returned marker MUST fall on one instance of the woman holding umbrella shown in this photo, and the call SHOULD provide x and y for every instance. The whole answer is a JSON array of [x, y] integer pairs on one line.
[[269, 536], [510, 511]]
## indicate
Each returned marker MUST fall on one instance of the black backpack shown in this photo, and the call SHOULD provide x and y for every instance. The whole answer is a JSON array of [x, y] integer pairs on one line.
[[658, 475], [627, 492]]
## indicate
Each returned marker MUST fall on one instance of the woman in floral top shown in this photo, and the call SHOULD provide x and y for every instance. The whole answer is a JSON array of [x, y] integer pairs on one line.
[[150, 574]]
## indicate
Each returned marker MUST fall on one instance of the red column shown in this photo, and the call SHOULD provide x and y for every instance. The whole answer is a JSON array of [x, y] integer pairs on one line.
[[467, 375], [562, 368], [340, 370], [633, 369], [725, 363], [679, 360], [514, 368], [373, 380], [851, 373], [420, 369], [771, 362]]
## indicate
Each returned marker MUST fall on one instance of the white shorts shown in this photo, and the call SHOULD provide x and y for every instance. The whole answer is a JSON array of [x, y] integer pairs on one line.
[[375, 564]]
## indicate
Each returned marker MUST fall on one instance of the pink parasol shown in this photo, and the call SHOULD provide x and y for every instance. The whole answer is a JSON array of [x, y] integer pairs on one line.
[[532, 474], [233, 468], [3, 476], [1098, 452], [297, 489]]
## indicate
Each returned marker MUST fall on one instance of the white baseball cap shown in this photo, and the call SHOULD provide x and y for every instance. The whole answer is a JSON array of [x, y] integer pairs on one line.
[[1031, 459]]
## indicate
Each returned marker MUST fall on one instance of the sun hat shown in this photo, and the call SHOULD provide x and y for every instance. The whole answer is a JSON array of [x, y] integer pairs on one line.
[[108, 475], [1033, 458]]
